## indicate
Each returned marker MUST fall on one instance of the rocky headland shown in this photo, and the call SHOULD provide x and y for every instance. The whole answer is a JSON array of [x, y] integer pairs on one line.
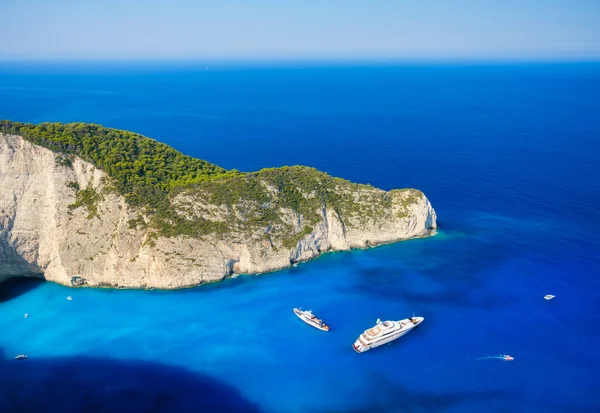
[[85, 205]]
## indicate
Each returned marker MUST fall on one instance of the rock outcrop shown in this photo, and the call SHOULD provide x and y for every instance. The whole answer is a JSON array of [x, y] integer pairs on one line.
[[45, 232]]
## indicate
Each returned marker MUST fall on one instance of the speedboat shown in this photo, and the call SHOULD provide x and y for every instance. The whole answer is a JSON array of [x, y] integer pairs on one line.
[[549, 296], [385, 332], [309, 318], [507, 357], [69, 298], [21, 357]]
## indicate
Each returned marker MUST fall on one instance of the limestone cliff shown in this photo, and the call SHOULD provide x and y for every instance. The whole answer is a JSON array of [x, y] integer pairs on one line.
[[48, 227]]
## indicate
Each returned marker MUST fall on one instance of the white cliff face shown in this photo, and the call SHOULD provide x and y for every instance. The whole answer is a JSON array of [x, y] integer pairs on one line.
[[41, 236]]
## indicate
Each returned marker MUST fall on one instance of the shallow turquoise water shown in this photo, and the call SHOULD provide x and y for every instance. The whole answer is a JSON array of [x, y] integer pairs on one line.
[[507, 161]]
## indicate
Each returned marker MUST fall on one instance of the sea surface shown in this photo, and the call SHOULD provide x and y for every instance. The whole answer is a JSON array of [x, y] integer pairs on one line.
[[508, 156]]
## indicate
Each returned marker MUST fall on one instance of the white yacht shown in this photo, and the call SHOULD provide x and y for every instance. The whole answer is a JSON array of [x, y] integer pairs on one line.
[[384, 332], [549, 296], [309, 318]]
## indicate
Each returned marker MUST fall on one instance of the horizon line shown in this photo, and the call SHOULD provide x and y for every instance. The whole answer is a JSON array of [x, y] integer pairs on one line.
[[305, 60]]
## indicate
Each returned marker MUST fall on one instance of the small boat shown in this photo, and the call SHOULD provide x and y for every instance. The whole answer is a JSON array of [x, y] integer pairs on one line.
[[26, 315], [385, 332], [309, 318], [507, 357], [21, 357], [549, 296], [69, 298]]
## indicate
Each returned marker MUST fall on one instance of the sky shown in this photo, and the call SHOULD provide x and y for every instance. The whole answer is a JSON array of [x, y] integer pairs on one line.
[[299, 29]]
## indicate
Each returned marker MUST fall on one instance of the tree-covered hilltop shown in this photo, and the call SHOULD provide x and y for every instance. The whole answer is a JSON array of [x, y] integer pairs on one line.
[[143, 169], [176, 194]]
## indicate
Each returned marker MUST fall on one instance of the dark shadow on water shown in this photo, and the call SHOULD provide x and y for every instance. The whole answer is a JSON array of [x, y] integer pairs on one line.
[[87, 384], [386, 283], [458, 267], [14, 287]]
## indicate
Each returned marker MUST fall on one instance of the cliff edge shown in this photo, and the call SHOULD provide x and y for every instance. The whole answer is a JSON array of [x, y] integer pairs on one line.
[[66, 220]]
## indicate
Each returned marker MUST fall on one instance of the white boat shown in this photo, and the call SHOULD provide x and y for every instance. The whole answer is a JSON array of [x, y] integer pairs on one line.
[[309, 318], [21, 357], [384, 332], [69, 298], [549, 296]]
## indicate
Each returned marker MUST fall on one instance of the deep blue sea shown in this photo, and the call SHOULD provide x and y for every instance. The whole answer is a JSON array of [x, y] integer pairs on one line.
[[508, 156]]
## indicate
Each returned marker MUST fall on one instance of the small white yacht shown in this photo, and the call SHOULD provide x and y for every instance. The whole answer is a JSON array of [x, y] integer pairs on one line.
[[21, 357], [549, 296], [309, 318], [384, 332]]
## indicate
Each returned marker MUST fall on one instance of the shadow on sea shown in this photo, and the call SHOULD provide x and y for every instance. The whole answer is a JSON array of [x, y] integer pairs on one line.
[[457, 274], [88, 384], [15, 287]]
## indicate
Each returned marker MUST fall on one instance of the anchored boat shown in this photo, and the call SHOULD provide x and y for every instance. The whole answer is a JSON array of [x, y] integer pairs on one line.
[[384, 332], [309, 318]]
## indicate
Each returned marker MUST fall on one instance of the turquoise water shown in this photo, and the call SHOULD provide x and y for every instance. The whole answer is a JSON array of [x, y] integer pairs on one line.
[[506, 154]]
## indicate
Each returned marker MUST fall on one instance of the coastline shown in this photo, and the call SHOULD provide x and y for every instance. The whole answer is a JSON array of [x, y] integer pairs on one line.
[[431, 233]]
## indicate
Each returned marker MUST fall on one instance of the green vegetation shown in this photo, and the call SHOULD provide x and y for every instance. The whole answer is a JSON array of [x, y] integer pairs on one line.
[[63, 160], [89, 199], [74, 186], [181, 195], [414, 195], [138, 222], [143, 169]]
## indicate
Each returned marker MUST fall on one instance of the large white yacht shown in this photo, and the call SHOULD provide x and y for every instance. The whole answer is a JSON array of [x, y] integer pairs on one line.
[[384, 332]]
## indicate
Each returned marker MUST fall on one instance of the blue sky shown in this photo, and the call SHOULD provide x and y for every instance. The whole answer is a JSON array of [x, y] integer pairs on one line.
[[299, 29]]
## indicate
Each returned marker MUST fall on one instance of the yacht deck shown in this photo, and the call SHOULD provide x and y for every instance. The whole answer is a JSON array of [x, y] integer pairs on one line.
[[378, 329], [373, 332]]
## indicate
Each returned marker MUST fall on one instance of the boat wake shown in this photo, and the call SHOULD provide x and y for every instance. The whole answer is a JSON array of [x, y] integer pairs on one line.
[[504, 357]]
